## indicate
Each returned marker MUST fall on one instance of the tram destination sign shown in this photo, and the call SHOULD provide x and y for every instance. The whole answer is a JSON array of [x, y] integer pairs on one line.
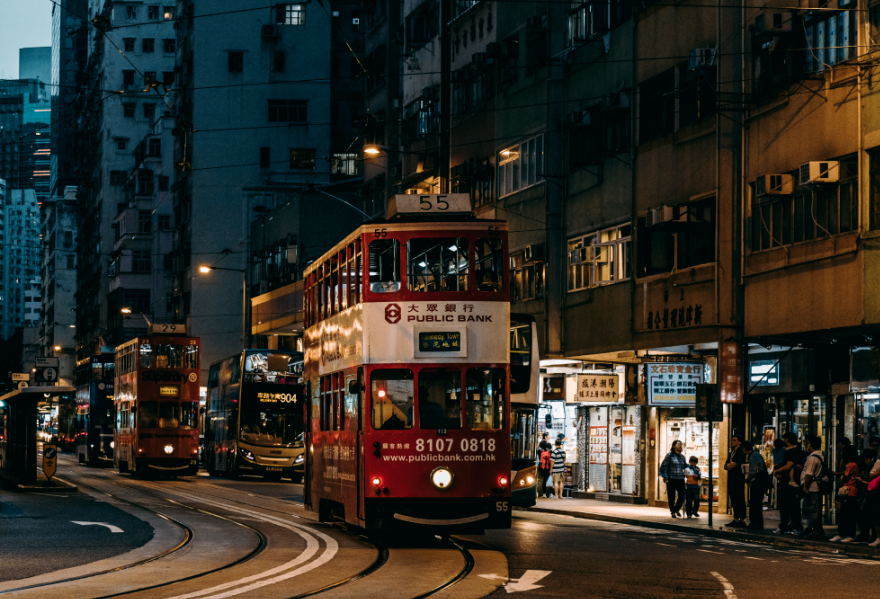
[[444, 203], [440, 341]]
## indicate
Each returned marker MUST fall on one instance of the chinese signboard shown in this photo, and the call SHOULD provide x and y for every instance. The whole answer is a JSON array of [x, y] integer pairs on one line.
[[440, 341], [597, 388], [673, 384], [731, 372], [675, 318]]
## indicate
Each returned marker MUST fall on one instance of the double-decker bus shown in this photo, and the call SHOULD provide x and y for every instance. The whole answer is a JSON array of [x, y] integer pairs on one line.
[[157, 405], [95, 410], [254, 416], [407, 367], [524, 373]]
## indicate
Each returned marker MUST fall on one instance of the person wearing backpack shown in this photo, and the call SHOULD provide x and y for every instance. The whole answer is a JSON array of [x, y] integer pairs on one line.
[[545, 466], [814, 478]]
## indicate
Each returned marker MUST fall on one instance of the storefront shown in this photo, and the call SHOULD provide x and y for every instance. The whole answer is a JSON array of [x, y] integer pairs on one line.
[[613, 448]]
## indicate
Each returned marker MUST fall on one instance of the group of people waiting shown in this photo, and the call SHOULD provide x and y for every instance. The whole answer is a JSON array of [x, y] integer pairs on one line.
[[551, 463], [801, 478]]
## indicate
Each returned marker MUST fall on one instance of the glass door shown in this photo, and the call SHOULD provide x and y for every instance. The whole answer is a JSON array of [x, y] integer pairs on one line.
[[599, 448], [615, 449]]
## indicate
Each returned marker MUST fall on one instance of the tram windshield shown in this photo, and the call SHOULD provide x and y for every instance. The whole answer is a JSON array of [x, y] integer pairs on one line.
[[392, 393], [485, 398], [270, 414], [439, 399]]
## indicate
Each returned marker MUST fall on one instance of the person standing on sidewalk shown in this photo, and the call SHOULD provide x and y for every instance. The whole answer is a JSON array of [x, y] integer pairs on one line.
[[672, 471], [736, 482], [871, 502], [813, 497], [789, 497], [545, 466], [778, 455], [847, 496], [692, 476], [558, 456], [758, 480]]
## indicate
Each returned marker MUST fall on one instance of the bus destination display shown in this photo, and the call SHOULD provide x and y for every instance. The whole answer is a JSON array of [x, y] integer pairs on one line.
[[440, 341]]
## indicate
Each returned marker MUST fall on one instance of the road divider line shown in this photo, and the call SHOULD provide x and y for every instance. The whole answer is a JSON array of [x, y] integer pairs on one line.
[[728, 588]]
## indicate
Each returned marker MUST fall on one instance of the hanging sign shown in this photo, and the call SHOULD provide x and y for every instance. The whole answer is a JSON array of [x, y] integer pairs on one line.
[[671, 384]]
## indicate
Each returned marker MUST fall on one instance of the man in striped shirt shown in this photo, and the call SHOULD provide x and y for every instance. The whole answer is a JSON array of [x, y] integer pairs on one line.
[[558, 468]]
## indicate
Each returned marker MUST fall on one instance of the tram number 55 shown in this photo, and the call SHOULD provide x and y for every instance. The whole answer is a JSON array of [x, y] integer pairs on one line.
[[439, 203], [501, 506]]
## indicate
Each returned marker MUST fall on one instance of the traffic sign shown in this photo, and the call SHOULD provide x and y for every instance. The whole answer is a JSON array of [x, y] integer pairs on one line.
[[50, 460], [45, 362], [48, 375], [22, 384], [20, 376]]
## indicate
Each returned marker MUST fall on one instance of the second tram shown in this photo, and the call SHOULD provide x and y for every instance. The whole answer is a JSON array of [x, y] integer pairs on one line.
[[157, 405], [95, 418], [254, 416], [524, 373], [407, 363]]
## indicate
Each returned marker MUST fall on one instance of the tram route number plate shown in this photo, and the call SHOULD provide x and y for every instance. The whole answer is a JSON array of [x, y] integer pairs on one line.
[[440, 341]]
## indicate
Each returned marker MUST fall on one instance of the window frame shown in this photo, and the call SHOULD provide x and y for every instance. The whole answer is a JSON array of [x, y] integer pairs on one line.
[[510, 161], [584, 275]]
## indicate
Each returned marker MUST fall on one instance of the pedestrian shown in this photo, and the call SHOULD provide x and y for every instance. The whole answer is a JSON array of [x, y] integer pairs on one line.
[[867, 460], [841, 445], [847, 503], [778, 456], [558, 456], [692, 477], [810, 476], [758, 480], [672, 470], [872, 498], [545, 466], [789, 497], [736, 482]]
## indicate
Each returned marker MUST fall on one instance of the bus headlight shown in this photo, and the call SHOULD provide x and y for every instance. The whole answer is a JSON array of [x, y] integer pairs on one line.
[[247, 454], [442, 477], [169, 449], [299, 459]]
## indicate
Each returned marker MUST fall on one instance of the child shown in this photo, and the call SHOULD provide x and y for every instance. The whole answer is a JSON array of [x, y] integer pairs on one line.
[[692, 488]]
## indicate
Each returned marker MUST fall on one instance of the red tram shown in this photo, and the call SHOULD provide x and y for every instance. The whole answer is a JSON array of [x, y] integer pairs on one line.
[[407, 370], [157, 405]]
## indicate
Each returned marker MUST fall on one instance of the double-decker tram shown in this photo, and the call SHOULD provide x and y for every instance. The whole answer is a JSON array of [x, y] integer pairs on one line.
[[407, 366], [157, 404], [95, 410], [254, 417]]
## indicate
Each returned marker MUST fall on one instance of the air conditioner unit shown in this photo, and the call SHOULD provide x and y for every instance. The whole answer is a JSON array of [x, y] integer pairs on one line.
[[534, 252], [268, 31], [701, 57], [774, 185], [578, 117], [819, 172], [481, 58], [536, 22], [660, 215], [578, 256], [773, 23]]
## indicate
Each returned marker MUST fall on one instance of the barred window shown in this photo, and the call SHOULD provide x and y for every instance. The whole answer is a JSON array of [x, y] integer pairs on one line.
[[288, 111]]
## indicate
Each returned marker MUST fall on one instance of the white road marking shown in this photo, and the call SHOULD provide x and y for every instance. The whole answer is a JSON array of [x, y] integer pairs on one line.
[[707, 551], [757, 558], [109, 526], [526, 582], [665, 545], [728, 588]]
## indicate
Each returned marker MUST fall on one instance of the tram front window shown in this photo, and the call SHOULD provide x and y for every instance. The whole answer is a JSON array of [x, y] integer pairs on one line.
[[189, 414], [392, 399], [169, 414], [148, 414], [438, 264], [384, 266], [439, 399], [485, 398]]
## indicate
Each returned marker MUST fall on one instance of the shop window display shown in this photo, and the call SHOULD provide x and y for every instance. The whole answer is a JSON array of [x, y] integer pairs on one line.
[[695, 438], [612, 445]]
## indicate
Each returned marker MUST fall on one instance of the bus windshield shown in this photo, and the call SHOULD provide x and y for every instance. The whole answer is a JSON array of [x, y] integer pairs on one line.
[[270, 414]]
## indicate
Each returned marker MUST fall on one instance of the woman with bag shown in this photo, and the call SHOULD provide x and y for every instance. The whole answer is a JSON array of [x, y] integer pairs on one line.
[[759, 481], [872, 500], [847, 497]]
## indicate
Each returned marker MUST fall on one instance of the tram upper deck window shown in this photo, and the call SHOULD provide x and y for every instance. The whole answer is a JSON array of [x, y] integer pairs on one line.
[[438, 264], [485, 398], [384, 266], [439, 399], [169, 355], [148, 414], [392, 399], [489, 264], [146, 351]]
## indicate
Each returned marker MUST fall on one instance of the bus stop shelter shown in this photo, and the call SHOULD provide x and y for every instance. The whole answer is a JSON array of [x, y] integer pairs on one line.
[[18, 447]]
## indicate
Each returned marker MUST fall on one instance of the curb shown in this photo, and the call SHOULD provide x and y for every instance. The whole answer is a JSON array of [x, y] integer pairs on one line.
[[763, 539], [59, 485]]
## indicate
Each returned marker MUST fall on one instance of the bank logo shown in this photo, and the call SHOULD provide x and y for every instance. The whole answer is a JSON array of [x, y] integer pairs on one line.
[[392, 313]]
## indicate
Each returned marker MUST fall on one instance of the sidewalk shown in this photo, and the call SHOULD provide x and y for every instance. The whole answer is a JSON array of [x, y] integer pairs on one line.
[[655, 517]]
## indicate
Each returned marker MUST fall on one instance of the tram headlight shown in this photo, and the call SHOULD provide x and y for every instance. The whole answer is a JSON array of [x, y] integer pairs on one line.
[[442, 478], [502, 481], [169, 449], [112, 444]]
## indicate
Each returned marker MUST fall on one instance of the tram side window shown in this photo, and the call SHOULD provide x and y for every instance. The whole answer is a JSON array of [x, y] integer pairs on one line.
[[489, 264], [438, 264], [354, 273], [439, 399], [169, 414], [191, 356], [189, 414], [148, 417], [146, 352], [392, 398], [343, 282], [485, 398], [109, 370], [384, 266], [168, 355], [326, 401]]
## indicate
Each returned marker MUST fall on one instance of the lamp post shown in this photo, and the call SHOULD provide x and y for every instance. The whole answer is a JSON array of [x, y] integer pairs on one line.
[[204, 269]]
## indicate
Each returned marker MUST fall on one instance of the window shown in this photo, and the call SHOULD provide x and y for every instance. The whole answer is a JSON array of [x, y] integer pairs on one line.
[[422, 117], [152, 12], [121, 145], [290, 14], [520, 166], [150, 78], [585, 139], [689, 227], [117, 177], [189, 414], [148, 414], [288, 111], [168, 78], [148, 44], [131, 11], [374, 65], [391, 393], [485, 398], [536, 47], [423, 25], [830, 39], [384, 265], [510, 60], [586, 20], [163, 183], [71, 262], [488, 264], [279, 62], [265, 158], [526, 277], [169, 45], [439, 399], [154, 145], [140, 261], [168, 12], [696, 95], [150, 113], [345, 164], [235, 61], [657, 106], [599, 258], [438, 264], [128, 44], [145, 221], [127, 78], [138, 300], [128, 110], [302, 158], [164, 222]]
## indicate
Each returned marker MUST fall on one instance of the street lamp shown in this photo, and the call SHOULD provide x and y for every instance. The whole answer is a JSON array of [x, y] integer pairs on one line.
[[127, 310], [204, 269], [375, 149]]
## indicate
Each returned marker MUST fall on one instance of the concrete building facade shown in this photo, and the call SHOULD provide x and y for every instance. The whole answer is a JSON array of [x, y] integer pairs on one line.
[[20, 287]]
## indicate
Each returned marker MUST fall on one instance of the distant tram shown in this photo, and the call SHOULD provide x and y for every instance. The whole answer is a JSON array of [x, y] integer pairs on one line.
[[95, 411], [157, 405], [407, 366]]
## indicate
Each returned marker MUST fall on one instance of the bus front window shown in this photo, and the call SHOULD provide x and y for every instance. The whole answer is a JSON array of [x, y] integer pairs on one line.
[[439, 399], [489, 264], [270, 415]]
